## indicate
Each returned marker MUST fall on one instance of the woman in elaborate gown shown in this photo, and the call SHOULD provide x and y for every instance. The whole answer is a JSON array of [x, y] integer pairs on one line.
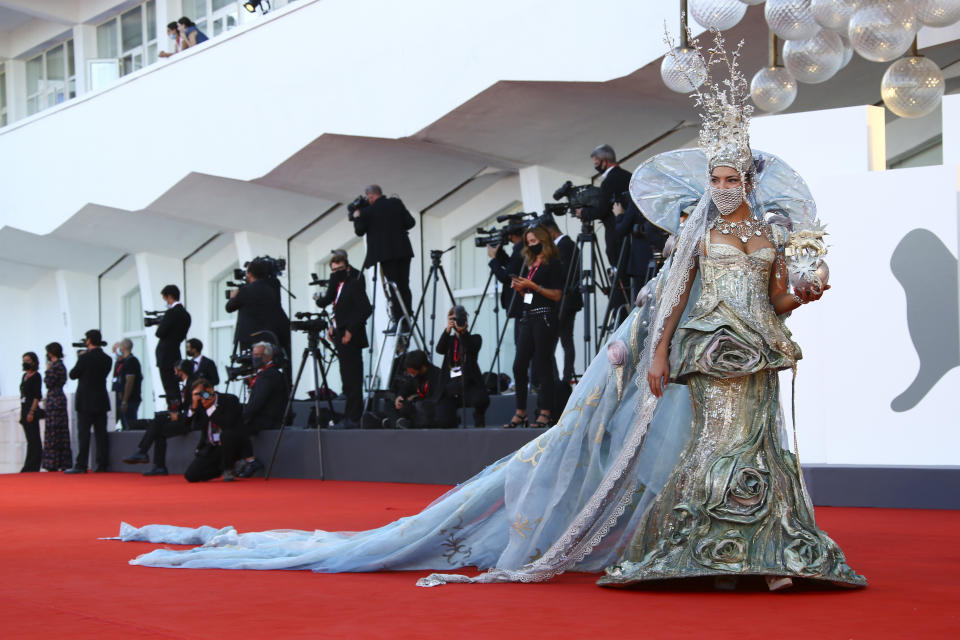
[[642, 477]]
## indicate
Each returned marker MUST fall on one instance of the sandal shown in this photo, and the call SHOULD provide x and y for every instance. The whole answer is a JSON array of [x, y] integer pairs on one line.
[[545, 422], [514, 423]]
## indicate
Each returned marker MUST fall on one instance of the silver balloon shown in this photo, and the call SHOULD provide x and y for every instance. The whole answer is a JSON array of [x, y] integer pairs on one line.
[[882, 30], [721, 14], [937, 13], [815, 60], [773, 89], [833, 14], [912, 87], [679, 69], [791, 19], [847, 51]]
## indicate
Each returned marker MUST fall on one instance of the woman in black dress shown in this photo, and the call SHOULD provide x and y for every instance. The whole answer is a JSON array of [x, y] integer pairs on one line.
[[31, 392], [56, 432], [540, 288]]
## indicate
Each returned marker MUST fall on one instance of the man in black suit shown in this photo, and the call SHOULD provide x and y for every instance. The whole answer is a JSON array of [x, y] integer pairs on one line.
[[645, 239], [92, 402], [258, 307], [572, 299], [171, 331], [217, 417], [264, 408], [351, 308], [166, 425], [462, 381], [385, 222], [203, 367], [615, 181]]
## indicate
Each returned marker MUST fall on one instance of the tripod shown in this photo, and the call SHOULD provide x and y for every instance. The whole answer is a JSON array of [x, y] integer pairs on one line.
[[584, 273], [312, 351], [612, 316], [496, 319], [434, 276]]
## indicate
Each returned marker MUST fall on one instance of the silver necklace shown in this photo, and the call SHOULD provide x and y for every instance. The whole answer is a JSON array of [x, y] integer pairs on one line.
[[743, 229]]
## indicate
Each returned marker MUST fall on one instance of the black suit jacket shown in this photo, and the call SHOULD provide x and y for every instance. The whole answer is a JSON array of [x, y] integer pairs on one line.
[[573, 299], [207, 369], [267, 401], [649, 239], [503, 267], [385, 223], [171, 331], [617, 181], [90, 372], [467, 352], [351, 309], [259, 309], [227, 416]]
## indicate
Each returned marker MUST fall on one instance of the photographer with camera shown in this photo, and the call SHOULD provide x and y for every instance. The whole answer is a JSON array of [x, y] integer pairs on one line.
[[127, 379], [385, 222], [460, 372], [415, 406], [172, 329], [217, 417], [166, 424], [645, 240], [504, 267], [258, 304], [91, 401], [264, 408], [347, 292]]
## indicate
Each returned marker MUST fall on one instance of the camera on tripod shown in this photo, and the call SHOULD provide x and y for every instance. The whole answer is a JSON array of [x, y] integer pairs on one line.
[[267, 267], [359, 203], [578, 196], [242, 366], [310, 322], [316, 282], [152, 318], [494, 236]]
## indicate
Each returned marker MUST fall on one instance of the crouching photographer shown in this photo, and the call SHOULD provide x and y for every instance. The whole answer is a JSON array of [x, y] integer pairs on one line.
[[218, 418], [166, 424], [462, 381], [415, 406], [264, 408]]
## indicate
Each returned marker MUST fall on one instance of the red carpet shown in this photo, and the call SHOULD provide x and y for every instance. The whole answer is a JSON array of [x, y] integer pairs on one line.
[[60, 581]]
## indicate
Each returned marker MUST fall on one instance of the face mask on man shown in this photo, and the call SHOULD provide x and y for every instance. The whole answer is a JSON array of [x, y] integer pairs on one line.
[[257, 361]]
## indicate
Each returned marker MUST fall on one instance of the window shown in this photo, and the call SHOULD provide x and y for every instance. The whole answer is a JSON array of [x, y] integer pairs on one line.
[[130, 38], [213, 17], [132, 328], [926, 154], [51, 78], [222, 324], [472, 272], [3, 97]]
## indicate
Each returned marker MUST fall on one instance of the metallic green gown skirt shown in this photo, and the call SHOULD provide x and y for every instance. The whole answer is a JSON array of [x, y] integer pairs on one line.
[[734, 504]]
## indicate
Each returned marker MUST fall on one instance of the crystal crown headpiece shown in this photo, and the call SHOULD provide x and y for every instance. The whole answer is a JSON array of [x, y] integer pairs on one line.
[[724, 112]]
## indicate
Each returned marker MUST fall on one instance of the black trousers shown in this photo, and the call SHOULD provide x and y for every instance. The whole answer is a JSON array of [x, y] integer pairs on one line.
[[450, 406], [351, 374], [34, 444], [565, 331], [86, 420], [398, 272], [171, 383], [206, 465], [237, 443], [156, 435], [536, 341], [128, 417]]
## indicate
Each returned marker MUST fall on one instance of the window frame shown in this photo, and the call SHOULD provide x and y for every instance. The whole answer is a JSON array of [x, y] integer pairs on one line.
[[41, 98]]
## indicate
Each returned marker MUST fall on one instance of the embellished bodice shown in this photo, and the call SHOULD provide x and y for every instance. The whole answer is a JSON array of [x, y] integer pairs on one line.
[[733, 329]]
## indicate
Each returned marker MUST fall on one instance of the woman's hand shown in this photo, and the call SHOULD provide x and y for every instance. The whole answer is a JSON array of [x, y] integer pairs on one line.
[[659, 372], [810, 293], [519, 284]]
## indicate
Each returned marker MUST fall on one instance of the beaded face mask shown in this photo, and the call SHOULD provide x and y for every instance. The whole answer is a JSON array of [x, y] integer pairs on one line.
[[727, 200]]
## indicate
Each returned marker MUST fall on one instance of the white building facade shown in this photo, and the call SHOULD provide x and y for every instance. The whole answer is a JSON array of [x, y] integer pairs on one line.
[[121, 172]]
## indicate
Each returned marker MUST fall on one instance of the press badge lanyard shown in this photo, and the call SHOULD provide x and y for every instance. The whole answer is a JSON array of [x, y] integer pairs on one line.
[[455, 370], [532, 271]]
